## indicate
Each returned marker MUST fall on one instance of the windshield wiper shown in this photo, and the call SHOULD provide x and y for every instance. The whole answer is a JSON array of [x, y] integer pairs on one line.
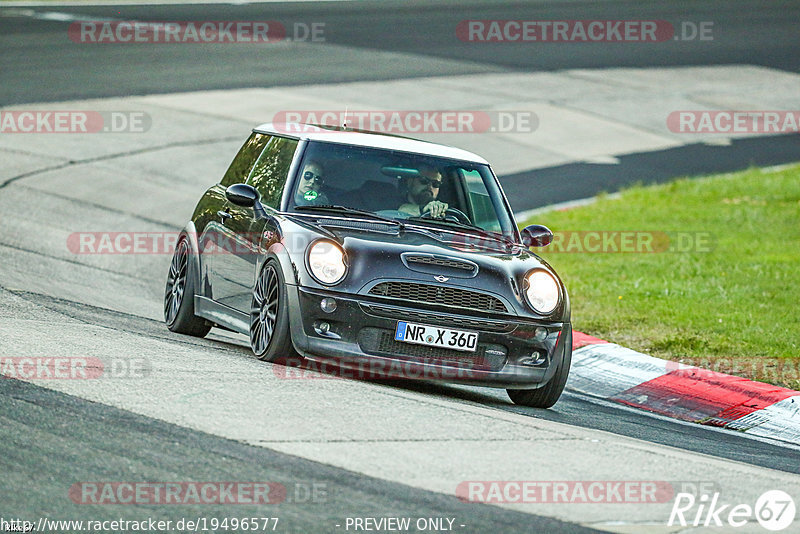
[[353, 211], [471, 227]]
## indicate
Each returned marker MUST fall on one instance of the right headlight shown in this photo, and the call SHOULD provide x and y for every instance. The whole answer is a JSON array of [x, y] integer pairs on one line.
[[541, 291]]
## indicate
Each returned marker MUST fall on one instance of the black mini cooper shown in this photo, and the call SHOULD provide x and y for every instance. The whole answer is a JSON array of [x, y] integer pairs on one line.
[[374, 253]]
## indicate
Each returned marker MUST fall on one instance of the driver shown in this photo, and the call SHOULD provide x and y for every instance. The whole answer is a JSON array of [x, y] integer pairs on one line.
[[308, 186], [422, 191]]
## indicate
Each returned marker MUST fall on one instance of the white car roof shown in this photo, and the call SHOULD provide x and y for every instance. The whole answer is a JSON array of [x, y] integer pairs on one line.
[[365, 139]]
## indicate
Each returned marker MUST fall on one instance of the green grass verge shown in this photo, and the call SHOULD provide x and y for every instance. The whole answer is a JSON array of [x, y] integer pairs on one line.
[[731, 303]]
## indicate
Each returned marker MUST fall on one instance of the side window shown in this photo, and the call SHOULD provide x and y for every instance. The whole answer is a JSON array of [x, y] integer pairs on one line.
[[243, 162], [270, 172]]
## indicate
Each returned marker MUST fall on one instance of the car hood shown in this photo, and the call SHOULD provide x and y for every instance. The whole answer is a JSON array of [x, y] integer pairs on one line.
[[378, 251]]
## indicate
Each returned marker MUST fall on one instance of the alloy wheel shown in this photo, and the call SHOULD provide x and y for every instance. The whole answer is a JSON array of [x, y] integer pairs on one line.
[[264, 310], [176, 282]]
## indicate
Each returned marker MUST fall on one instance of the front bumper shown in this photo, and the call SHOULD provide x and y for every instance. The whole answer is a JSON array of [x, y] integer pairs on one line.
[[359, 336]]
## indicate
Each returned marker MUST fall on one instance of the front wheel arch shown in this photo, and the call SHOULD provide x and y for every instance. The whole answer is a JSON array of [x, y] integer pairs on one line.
[[180, 290]]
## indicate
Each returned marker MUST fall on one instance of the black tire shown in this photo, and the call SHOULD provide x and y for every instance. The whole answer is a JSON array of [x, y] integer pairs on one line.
[[547, 395], [270, 336], [179, 295]]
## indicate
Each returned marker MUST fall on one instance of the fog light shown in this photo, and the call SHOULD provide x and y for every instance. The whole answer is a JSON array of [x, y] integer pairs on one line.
[[324, 329], [540, 333], [328, 305], [536, 358]]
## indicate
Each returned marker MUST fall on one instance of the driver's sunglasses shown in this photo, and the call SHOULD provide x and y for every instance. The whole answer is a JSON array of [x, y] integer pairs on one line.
[[318, 179], [424, 180]]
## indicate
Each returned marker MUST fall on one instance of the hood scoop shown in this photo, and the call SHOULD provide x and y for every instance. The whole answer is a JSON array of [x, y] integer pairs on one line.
[[366, 226], [436, 264]]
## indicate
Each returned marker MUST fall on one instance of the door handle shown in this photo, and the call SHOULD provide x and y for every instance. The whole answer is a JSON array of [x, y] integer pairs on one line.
[[223, 216]]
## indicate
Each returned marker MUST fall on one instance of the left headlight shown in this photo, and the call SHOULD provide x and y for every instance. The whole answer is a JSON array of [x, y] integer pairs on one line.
[[326, 262], [541, 291]]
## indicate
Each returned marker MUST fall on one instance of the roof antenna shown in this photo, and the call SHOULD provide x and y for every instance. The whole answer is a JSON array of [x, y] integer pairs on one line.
[[344, 122]]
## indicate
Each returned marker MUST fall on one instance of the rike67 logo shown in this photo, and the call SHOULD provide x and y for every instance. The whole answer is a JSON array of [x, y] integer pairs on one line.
[[774, 510]]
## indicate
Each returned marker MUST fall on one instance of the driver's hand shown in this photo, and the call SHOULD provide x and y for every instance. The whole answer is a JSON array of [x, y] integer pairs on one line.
[[436, 208]]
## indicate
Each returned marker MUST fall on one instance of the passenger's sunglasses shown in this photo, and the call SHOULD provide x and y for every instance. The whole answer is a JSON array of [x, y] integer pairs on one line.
[[318, 179], [424, 180]]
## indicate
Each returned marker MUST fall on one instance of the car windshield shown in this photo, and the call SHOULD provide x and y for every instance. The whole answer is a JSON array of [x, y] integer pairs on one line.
[[413, 188]]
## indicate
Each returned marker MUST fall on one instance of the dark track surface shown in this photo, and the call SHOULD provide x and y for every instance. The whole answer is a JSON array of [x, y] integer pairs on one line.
[[583, 180], [85, 441], [39, 62]]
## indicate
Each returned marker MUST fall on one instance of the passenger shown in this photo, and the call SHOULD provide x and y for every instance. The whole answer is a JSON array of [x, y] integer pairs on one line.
[[308, 186]]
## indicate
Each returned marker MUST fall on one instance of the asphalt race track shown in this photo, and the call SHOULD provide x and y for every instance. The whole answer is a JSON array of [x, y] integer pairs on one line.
[[186, 409], [755, 33]]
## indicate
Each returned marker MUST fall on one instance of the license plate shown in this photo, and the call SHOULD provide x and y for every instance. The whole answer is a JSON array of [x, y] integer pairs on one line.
[[435, 336]]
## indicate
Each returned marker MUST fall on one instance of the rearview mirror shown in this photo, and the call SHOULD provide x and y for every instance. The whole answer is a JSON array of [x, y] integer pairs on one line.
[[536, 235], [399, 172]]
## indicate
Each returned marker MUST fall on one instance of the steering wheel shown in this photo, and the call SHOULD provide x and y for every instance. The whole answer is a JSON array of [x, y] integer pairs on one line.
[[451, 214]]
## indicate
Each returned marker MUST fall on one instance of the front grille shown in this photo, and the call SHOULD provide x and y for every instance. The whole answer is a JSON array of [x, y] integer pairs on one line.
[[381, 342], [440, 261], [452, 321], [430, 294]]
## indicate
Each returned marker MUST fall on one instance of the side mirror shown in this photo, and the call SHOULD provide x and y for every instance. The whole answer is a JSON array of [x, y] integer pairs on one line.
[[242, 195], [536, 235], [246, 196]]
